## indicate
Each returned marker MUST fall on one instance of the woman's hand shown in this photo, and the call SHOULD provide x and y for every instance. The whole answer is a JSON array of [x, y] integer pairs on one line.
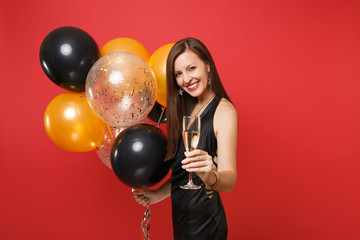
[[145, 197], [148, 197], [201, 163]]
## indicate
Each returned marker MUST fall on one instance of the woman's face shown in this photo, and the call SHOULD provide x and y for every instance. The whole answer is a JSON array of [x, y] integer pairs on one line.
[[191, 73]]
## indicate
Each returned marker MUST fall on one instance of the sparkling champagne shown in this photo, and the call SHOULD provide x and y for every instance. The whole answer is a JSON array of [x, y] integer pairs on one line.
[[191, 140], [191, 134]]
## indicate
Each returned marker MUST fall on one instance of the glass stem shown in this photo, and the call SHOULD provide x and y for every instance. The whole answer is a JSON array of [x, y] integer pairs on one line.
[[190, 177]]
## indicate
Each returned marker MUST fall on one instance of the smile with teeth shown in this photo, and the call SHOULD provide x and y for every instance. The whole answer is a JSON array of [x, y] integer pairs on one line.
[[193, 86]]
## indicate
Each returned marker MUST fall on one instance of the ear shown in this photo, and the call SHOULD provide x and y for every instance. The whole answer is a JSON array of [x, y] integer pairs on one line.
[[208, 67]]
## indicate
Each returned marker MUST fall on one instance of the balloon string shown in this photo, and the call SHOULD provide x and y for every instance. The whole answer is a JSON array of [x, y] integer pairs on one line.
[[145, 223], [110, 131], [162, 113]]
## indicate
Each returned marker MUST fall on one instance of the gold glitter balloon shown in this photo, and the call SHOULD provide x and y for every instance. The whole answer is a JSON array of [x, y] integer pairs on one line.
[[121, 89]]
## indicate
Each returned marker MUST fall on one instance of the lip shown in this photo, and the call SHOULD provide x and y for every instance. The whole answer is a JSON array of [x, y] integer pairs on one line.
[[193, 86]]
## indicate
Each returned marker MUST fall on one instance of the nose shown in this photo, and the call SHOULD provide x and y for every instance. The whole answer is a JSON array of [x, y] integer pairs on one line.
[[187, 77]]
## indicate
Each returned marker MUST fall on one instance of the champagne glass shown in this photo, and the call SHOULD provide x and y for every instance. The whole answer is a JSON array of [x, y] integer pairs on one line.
[[191, 136]]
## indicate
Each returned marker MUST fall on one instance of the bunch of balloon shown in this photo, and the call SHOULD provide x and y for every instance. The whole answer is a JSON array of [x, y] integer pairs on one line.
[[66, 56]]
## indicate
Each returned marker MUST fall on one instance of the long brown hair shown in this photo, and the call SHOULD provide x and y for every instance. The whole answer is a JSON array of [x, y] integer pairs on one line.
[[178, 106]]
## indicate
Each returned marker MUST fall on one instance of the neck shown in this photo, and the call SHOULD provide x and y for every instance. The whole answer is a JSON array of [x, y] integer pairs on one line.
[[206, 96], [201, 105]]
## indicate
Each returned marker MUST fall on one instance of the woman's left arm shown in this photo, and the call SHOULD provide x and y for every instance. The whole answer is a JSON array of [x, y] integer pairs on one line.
[[226, 128], [223, 178]]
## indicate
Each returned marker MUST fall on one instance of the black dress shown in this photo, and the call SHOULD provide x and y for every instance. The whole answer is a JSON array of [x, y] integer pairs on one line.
[[197, 214]]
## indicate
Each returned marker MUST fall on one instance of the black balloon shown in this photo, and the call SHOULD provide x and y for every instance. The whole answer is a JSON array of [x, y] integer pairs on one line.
[[156, 112], [66, 56], [138, 154]]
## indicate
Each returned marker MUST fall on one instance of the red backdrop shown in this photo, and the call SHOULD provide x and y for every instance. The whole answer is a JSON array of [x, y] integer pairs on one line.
[[290, 67]]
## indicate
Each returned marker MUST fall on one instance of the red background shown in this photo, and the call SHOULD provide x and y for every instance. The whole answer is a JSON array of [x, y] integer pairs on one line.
[[292, 71]]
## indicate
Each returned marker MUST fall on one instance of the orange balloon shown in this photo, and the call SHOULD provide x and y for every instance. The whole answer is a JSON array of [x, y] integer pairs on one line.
[[125, 45], [71, 124], [157, 62]]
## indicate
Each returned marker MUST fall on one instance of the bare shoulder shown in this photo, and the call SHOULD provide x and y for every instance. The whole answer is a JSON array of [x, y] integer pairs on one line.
[[226, 110], [225, 115]]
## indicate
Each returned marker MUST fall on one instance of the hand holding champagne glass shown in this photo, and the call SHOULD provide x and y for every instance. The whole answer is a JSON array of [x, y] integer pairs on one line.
[[191, 136]]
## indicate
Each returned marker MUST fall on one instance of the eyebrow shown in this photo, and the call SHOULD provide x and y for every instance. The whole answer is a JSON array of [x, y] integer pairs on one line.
[[189, 65], [185, 68]]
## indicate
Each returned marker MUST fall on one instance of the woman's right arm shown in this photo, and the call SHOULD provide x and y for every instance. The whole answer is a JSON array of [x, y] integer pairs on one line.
[[148, 197]]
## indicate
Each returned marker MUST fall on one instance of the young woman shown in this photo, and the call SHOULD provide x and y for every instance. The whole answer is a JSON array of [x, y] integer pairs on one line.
[[194, 88]]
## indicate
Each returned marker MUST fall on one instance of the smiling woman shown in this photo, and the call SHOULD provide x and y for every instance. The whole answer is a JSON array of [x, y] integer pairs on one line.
[[197, 213]]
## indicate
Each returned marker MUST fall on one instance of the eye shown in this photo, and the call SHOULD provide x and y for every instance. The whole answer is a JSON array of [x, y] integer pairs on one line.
[[192, 68], [176, 75]]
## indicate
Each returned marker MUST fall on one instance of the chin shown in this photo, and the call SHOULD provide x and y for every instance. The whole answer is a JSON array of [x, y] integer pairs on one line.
[[197, 92], [194, 94]]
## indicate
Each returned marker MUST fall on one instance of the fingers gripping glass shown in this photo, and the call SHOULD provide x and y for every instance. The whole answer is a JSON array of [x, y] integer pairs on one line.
[[191, 136]]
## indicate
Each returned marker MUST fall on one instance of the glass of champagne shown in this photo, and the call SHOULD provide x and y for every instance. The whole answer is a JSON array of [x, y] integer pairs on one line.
[[191, 136]]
